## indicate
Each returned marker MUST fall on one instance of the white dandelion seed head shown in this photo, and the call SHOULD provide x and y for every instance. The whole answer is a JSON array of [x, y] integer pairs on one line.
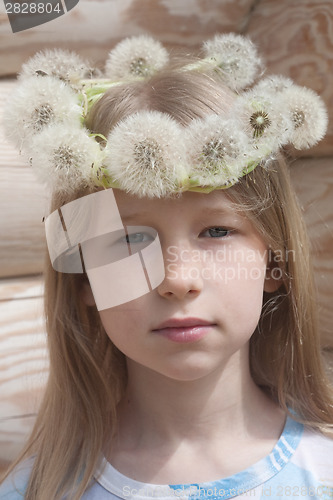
[[61, 64], [64, 158], [273, 84], [308, 114], [139, 56], [237, 57], [145, 155], [217, 151], [266, 122], [37, 103]]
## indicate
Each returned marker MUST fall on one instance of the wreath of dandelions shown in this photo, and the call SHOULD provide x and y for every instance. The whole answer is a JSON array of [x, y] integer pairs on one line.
[[149, 153]]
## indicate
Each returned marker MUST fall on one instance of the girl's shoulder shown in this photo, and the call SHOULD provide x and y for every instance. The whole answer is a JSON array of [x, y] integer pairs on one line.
[[15, 485], [315, 452]]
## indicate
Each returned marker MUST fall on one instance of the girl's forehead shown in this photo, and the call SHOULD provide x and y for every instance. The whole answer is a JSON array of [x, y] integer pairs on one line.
[[187, 202]]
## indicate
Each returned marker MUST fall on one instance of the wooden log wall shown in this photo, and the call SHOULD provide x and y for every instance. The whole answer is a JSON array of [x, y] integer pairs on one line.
[[296, 39]]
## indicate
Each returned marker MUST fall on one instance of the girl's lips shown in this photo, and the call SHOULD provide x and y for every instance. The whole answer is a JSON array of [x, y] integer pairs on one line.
[[184, 330], [182, 323]]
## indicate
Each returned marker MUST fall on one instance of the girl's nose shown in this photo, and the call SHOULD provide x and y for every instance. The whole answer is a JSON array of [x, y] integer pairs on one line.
[[183, 277]]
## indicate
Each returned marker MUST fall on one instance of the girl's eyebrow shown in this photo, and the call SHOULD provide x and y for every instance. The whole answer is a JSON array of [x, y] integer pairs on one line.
[[217, 211], [205, 211], [131, 216]]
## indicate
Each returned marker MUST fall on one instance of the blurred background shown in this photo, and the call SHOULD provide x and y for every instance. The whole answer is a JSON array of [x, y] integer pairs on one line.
[[295, 37]]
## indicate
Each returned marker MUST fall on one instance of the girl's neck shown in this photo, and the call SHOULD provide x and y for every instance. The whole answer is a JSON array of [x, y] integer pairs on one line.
[[162, 418], [171, 408]]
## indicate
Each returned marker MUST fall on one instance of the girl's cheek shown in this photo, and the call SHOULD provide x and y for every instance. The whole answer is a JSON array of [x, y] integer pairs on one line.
[[241, 268], [127, 314]]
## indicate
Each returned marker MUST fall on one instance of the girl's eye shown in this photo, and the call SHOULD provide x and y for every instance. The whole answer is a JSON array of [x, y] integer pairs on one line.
[[137, 238], [216, 232]]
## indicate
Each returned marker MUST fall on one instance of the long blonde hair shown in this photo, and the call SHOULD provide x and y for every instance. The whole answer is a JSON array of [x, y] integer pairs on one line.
[[87, 372]]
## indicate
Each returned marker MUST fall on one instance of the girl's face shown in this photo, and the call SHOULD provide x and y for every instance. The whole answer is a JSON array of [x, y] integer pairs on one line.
[[201, 317]]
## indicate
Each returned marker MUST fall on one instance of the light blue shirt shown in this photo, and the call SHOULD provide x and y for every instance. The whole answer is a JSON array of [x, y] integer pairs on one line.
[[299, 466]]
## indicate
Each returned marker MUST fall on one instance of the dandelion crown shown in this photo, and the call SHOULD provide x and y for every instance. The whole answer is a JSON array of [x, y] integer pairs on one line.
[[149, 153]]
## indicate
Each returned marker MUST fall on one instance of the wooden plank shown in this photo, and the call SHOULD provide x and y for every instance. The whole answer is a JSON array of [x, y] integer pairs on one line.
[[28, 287], [296, 40]]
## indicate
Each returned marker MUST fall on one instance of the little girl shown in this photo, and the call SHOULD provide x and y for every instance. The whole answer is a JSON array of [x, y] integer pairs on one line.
[[184, 353]]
